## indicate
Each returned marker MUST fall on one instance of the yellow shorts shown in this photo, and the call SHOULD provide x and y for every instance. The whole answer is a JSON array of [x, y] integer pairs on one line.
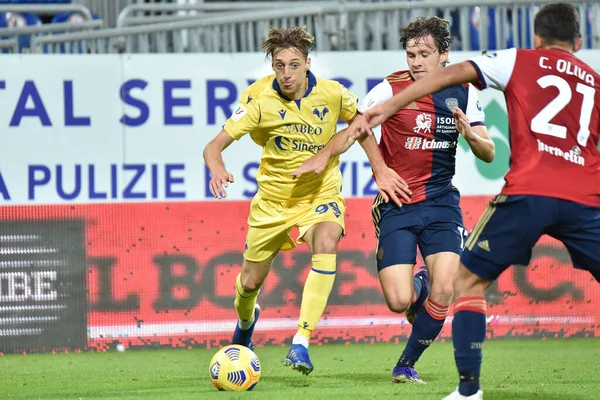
[[270, 223]]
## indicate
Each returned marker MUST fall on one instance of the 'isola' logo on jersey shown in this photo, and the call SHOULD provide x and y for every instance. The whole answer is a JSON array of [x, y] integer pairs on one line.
[[423, 123], [286, 144], [320, 113], [303, 128]]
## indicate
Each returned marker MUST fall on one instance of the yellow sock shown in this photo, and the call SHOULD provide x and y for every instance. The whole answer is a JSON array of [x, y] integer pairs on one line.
[[316, 292], [244, 301]]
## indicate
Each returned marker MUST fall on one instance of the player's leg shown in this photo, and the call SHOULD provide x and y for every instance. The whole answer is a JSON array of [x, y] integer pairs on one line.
[[322, 239], [267, 234], [429, 320], [578, 228], [321, 228], [468, 331], [499, 239], [398, 285], [397, 229], [396, 254], [441, 241], [247, 288]]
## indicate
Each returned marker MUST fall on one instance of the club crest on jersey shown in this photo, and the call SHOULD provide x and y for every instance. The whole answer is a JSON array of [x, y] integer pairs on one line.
[[423, 123], [320, 113], [451, 103]]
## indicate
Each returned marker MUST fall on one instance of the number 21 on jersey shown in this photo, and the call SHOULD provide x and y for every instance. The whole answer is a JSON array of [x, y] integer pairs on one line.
[[541, 122]]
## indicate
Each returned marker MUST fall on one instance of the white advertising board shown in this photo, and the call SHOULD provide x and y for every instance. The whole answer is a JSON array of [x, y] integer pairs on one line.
[[115, 128]]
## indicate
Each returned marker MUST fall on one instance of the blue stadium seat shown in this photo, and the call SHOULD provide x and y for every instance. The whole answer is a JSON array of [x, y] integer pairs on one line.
[[18, 20], [72, 17], [475, 25], [588, 27], [69, 17]]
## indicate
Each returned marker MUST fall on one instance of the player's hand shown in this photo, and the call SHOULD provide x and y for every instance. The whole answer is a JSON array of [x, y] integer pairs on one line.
[[316, 164], [375, 116], [391, 185], [219, 182], [463, 125], [358, 129]]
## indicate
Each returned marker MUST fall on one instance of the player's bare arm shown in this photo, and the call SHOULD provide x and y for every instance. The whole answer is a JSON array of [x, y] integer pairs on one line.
[[456, 74], [477, 136], [220, 178], [391, 186], [339, 144]]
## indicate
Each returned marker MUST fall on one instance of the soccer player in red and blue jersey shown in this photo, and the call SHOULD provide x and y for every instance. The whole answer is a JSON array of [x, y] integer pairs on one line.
[[553, 185], [419, 143]]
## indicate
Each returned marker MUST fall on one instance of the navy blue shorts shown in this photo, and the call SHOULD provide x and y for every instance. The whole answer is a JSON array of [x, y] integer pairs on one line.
[[434, 225], [512, 225]]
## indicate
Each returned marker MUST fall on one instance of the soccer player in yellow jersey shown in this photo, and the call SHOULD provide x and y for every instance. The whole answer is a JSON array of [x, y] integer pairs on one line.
[[291, 118]]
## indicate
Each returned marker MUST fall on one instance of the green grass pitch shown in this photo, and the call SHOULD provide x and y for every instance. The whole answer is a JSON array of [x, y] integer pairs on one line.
[[561, 369]]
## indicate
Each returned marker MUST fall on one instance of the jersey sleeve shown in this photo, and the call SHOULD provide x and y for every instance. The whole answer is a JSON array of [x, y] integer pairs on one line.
[[349, 105], [247, 95], [244, 119], [474, 110], [495, 69], [379, 94]]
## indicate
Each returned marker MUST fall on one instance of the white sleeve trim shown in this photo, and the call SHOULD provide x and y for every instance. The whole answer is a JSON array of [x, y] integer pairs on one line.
[[495, 69], [379, 94], [474, 110]]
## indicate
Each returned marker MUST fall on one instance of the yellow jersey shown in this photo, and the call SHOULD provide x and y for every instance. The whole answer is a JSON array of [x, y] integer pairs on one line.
[[255, 88], [290, 132]]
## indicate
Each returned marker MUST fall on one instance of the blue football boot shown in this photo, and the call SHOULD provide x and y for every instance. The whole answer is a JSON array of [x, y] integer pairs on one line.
[[243, 337], [404, 374], [298, 359]]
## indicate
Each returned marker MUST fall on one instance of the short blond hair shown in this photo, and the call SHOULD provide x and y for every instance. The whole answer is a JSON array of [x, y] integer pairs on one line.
[[281, 39]]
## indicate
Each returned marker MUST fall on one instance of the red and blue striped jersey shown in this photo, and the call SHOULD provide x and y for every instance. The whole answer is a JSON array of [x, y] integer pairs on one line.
[[419, 142]]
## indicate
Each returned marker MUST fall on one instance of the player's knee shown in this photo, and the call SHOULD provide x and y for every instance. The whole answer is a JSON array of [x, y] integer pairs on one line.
[[399, 304], [441, 291], [327, 245], [466, 283], [251, 282], [324, 237]]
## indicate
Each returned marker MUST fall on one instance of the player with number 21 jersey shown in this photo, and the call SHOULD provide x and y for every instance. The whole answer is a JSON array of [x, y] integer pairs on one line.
[[553, 105]]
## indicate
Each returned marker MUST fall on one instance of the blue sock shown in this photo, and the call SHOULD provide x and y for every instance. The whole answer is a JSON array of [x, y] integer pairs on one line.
[[418, 285], [427, 326], [468, 334]]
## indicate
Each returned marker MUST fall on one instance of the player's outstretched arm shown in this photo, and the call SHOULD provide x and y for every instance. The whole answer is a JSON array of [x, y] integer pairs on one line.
[[317, 163], [477, 137], [339, 144], [463, 72], [213, 158]]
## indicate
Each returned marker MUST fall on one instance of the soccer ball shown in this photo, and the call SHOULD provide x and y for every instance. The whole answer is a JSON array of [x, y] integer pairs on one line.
[[234, 368]]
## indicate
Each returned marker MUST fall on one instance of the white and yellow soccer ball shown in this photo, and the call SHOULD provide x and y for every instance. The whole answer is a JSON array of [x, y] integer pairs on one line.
[[234, 368]]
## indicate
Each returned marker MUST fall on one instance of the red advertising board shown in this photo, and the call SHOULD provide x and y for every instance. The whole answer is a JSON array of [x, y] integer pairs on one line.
[[164, 273]]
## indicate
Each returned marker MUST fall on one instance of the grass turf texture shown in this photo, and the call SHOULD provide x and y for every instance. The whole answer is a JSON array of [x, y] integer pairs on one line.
[[565, 369]]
